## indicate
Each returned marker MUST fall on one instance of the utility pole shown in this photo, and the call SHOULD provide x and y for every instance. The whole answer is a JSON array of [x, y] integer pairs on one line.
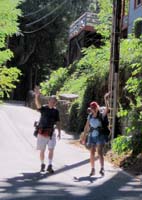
[[114, 62]]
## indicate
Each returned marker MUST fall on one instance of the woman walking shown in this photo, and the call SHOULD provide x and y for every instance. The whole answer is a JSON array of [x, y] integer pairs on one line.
[[96, 138]]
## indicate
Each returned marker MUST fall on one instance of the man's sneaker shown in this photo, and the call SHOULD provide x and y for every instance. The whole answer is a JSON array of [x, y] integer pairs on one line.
[[42, 169], [102, 171], [49, 169], [92, 172]]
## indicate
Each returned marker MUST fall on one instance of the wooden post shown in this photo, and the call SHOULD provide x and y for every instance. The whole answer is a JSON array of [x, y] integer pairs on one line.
[[115, 49]]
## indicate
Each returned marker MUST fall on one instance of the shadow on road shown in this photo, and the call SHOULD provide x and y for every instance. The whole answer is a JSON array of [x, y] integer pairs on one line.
[[86, 179], [37, 186]]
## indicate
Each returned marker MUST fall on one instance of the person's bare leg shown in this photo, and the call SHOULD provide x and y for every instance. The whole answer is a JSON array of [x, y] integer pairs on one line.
[[42, 156], [101, 157], [50, 155], [92, 160]]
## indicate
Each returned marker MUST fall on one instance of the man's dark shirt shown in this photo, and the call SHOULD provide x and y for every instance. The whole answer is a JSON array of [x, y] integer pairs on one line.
[[49, 116]]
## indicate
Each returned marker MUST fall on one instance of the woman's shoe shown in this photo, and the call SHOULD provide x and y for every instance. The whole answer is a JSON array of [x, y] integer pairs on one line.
[[92, 172]]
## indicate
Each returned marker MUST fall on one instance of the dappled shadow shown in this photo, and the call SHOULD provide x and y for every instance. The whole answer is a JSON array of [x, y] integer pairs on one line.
[[68, 167], [30, 178], [37, 186]]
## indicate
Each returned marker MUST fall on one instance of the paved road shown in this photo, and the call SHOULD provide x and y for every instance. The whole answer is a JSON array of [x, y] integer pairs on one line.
[[19, 165]]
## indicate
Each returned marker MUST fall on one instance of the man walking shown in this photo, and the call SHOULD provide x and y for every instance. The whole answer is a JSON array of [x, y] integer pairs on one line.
[[46, 134]]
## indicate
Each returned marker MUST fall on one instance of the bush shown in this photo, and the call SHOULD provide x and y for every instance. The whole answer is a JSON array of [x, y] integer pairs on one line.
[[138, 27], [75, 84], [122, 144], [137, 143], [73, 117], [89, 80], [56, 80]]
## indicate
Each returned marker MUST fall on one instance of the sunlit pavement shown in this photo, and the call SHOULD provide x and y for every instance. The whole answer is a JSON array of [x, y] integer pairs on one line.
[[19, 165]]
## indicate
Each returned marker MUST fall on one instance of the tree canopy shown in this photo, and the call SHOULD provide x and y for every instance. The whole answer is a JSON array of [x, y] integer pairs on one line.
[[43, 43], [8, 26]]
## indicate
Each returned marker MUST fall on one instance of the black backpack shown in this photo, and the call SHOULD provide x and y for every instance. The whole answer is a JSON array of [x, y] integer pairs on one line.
[[104, 129]]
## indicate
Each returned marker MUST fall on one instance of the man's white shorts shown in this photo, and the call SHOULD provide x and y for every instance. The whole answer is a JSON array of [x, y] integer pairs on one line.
[[42, 142]]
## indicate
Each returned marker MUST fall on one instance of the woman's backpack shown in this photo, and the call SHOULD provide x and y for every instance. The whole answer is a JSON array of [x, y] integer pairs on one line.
[[104, 129]]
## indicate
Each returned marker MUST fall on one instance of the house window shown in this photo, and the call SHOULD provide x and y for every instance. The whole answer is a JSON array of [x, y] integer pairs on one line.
[[137, 3]]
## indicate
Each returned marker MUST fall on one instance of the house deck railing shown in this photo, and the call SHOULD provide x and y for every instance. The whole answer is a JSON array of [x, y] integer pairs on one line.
[[87, 19]]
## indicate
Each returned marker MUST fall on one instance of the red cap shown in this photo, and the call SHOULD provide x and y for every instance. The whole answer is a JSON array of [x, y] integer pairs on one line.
[[94, 104]]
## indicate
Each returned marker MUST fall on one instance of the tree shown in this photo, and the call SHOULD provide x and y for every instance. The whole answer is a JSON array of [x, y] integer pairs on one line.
[[8, 26], [43, 44]]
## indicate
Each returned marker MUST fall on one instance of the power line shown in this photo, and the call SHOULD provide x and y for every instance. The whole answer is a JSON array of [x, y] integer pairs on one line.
[[47, 15], [36, 30], [37, 11]]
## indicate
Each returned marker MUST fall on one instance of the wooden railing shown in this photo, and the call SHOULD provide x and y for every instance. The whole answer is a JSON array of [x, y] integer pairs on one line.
[[87, 19]]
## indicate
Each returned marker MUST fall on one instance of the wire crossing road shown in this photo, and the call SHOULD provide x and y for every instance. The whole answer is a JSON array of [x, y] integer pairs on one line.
[[19, 166]]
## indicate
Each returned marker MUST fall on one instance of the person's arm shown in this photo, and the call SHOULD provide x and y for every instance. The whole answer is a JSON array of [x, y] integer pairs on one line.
[[59, 129], [37, 101], [86, 129], [58, 125], [106, 99]]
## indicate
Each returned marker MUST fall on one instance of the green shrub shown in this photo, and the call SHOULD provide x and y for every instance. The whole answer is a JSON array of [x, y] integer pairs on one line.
[[137, 143], [131, 109], [122, 144], [75, 84], [73, 116], [138, 27], [54, 82]]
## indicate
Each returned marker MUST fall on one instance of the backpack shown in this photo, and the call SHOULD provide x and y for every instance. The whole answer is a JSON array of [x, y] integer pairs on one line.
[[104, 130]]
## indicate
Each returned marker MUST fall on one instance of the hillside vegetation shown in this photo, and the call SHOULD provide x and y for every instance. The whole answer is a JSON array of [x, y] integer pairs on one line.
[[88, 77]]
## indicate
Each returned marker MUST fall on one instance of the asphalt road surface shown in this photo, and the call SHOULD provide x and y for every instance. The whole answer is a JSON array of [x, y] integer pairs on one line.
[[19, 166]]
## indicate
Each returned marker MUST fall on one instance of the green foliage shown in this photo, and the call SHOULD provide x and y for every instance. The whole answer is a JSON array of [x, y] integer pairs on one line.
[[8, 26], [51, 41], [137, 143], [131, 106], [88, 80], [73, 117], [54, 82], [8, 77], [105, 18], [76, 85], [93, 6], [8, 18], [131, 59], [127, 7], [5, 56], [130, 52], [138, 27], [122, 144], [122, 112], [95, 60]]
